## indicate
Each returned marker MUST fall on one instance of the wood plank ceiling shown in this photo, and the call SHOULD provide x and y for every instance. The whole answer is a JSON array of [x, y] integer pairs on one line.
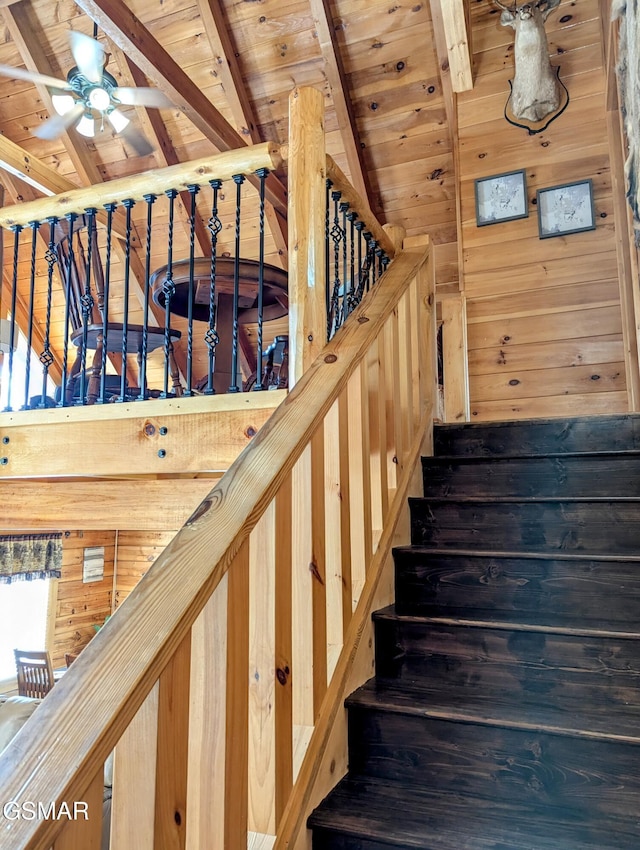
[[229, 68]]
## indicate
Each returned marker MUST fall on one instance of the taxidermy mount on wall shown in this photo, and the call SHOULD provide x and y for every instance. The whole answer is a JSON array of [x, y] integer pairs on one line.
[[536, 91]]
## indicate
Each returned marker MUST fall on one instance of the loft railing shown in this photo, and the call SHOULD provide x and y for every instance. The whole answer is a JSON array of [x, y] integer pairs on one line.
[[232, 656], [213, 321]]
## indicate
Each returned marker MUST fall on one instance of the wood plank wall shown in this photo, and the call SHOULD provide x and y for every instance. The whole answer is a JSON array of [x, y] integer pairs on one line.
[[80, 606], [544, 320], [137, 550]]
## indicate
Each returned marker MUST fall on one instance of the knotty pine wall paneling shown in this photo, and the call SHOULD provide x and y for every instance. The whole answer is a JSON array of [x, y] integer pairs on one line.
[[544, 320], [136, 551], [80, 606]]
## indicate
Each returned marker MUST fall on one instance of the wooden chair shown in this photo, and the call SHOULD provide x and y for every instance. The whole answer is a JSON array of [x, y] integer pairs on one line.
[[35, 673], [73, 274]]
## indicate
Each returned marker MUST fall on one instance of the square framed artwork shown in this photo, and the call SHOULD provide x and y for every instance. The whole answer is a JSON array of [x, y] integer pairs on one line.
[[565, 209], [501, 197]]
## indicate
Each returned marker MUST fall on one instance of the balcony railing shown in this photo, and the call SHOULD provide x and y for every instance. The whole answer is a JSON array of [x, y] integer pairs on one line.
[[168, 285]]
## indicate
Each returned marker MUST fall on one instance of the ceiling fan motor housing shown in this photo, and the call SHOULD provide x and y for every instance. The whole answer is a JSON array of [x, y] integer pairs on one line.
[[86, 90]]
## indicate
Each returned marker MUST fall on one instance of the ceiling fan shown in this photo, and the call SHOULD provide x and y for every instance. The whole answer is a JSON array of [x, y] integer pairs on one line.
[[90, 94]]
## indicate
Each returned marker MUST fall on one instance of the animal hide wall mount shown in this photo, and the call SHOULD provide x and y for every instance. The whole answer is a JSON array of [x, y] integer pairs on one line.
[[628, 72], [537, 96]]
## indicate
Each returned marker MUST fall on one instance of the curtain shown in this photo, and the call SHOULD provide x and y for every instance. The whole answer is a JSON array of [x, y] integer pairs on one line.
[[30, 556]]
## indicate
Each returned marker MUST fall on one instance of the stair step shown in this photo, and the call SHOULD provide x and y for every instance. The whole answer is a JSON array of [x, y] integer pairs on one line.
[[497, 707], [533, 664], [589, 526], [599, 591], [540, 437], [505, 712], [408, 737], [602, 475], [365, 814]]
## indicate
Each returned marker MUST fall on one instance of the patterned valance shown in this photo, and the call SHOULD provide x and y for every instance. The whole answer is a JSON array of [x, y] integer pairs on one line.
[[30, 556]]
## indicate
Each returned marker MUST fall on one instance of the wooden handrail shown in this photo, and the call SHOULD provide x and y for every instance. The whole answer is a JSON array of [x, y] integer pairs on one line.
[[222, 166], [58, 755]]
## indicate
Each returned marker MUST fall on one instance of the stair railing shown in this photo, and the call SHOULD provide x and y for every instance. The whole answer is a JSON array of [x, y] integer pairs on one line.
[[232, 656]]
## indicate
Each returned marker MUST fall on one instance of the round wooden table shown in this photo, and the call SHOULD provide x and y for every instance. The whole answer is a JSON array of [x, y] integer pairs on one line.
[[275, 282], [275, 303]]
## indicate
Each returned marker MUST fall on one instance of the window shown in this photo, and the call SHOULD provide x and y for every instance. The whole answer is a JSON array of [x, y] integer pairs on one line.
[[18, 377], [24, 607]]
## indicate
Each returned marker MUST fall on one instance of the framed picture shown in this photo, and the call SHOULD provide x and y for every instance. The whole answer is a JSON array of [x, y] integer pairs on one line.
[[502, 197], [565, 209]]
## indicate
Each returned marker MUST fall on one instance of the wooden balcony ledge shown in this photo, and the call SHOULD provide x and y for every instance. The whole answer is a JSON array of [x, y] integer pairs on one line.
[[199, 434]]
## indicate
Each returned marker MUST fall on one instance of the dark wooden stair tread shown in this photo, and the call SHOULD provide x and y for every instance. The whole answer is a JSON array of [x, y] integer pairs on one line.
[[535, 437], [501, 620], [388, 814], [488, 706], [416, 551]]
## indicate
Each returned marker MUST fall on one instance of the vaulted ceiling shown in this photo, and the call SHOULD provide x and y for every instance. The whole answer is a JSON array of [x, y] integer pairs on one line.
[[229, 68]]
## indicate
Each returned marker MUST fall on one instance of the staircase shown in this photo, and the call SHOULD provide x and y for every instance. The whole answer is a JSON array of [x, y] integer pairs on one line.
[[505, 712]]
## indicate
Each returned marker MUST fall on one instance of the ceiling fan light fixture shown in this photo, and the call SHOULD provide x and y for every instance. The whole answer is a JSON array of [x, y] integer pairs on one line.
[[99, 98], [86, 126], [62, 103], [118, 120]]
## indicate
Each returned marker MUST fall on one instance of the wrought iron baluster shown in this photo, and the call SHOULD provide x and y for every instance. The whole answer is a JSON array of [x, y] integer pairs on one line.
[[359, 289], [337, 235], [17, 229], [35, 227], [168, 288], [238, 179], [110, 208], [350, 285], [211, 336], [327, 258], [344, 208], [71, 219], [86, 304], [128, 205], [371, 277], [262, 174], [144, 346], [193, 191], [46, 357]]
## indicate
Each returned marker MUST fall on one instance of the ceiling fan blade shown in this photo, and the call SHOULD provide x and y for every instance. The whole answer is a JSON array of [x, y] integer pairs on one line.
[[57, 124], [23, 74], [138, 141], [142, 97], [88, 55]]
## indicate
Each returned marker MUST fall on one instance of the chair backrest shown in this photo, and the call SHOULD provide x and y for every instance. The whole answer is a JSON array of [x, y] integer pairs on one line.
[[35, 673], [73, 275]]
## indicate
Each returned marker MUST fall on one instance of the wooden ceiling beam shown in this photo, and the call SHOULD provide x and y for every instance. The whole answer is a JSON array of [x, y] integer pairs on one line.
[[19, 162], [457, 38], [228, 69], [125, 30], [451, 109], [337, 78], [165, 150]]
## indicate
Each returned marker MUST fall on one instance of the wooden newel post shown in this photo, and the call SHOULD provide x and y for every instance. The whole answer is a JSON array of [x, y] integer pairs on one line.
[[307, 201]]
